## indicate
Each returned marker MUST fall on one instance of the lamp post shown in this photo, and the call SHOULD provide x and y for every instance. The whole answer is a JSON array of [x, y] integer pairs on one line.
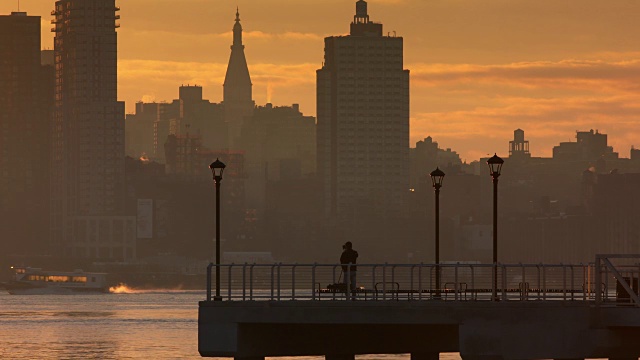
[[217, 168], [495, 166], [437, 176]]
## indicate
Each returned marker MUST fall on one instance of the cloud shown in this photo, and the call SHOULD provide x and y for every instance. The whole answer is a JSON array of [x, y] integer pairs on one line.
[[568, 74], [205, 73], [227, 35]]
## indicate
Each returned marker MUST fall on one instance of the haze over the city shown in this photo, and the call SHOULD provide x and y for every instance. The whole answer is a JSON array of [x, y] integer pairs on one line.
[[435, 179], [479, 70]]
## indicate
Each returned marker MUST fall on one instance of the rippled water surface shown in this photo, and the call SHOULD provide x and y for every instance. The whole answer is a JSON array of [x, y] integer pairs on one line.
[[140, 325]]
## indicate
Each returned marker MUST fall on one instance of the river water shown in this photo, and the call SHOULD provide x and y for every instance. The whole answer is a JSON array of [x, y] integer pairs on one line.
[[128, 325]]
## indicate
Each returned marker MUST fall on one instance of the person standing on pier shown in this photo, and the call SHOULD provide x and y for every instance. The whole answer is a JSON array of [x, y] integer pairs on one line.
[[348, 260]]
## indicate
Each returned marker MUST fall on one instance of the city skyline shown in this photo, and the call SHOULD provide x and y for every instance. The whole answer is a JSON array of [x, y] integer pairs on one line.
[[478, 71]]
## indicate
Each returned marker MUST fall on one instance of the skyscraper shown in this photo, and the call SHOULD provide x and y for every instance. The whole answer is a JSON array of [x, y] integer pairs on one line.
[[237, 97], [88, 135], [363, 119], [26, 93]]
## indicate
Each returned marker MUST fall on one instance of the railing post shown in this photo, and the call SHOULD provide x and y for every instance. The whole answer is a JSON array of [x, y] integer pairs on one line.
[[411, 281], [572, 282], [373, 282], [393, 281], [598, 280], [273, 267], [251, 281], [313, 282], [384, 282], [334, 280], [229, 281], [347, 280], [279, 268], [605, 281], [455, 281], [525, 288], [504, 282], [584, 282], [539, 280], [244, 282], [637, 283], [209, 281], [564, 282], [293, 282], [420, 282], [431, 292], [544, 282], [473, 282]]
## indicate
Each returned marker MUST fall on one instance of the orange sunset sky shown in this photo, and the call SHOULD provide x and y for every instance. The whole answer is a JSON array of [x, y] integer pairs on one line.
[[479, 69]]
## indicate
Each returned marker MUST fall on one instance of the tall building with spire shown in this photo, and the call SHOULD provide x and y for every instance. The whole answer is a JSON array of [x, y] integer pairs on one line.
[[363, 120], [87, 168], [237, 98]]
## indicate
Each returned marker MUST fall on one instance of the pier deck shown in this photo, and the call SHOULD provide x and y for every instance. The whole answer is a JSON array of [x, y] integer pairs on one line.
[[558, 311]]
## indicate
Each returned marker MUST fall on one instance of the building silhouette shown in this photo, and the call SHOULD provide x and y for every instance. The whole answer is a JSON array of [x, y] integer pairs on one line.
[[426, 156], [238, 99], [139, 134], [148, 128], [280, 144], [589, 146], [88, 136], [363, 120], [26, 97]]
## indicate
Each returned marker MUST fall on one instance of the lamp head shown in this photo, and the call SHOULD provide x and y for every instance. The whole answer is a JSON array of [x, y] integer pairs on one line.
[[437, 176], [495, 165], [217, 168]]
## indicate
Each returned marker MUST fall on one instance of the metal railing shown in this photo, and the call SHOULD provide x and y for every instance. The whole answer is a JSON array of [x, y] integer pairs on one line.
[[621, 273], [461, 282], [602, 282]]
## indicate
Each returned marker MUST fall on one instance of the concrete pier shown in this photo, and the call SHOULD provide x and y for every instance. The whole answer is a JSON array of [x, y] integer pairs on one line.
[[478, 330]]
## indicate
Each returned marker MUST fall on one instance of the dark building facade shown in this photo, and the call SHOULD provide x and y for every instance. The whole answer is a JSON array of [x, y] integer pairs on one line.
[[363, 120], [147, 129], [280, 144], [139, 134], [26, 97], [88, 136]]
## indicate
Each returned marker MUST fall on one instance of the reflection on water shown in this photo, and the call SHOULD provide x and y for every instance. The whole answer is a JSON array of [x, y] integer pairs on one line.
[[148, 324]]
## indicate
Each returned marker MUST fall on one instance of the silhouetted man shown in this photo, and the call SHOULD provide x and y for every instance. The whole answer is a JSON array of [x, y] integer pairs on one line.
[[349, 256]]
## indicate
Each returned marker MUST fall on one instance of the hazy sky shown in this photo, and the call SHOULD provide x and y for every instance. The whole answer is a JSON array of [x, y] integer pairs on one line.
[[479, 69]]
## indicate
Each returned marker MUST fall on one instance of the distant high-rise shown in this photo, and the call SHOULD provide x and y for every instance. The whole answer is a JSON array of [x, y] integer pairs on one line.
[[88, 135], [26, 94], [363, 119], [237, 100]]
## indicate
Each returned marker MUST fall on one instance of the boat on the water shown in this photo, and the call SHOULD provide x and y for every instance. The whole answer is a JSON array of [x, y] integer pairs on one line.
[[29, 281]]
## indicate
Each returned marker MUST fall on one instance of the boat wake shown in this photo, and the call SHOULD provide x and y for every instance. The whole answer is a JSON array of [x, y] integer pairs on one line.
[[123, 288]]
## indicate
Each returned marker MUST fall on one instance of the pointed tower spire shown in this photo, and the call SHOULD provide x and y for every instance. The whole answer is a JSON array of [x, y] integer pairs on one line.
[[238, 96], [237, 30]]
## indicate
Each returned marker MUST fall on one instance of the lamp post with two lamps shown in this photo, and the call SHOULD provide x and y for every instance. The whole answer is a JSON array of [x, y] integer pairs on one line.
[[217, 168], [495, 167], [437, 176]]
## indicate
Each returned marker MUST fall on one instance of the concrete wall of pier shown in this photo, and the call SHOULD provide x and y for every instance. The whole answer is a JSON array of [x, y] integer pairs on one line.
[[491, 330]]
